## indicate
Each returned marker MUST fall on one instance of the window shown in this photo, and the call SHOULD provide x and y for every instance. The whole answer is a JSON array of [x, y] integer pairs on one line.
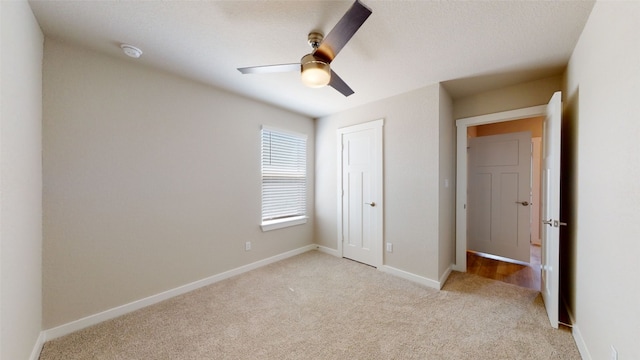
[[284, 179]]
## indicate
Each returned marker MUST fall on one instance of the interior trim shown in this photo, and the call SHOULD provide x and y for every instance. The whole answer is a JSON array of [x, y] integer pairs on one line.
[[412, 277]]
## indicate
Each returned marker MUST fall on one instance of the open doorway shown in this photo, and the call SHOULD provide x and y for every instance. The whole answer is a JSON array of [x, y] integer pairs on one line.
[[527, 119]]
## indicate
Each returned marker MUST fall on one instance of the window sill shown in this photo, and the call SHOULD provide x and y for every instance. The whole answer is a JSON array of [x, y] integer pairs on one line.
[[283, 223]]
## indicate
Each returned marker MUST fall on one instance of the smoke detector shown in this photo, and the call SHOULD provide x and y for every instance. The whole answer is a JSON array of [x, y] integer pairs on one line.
[[131, 50]]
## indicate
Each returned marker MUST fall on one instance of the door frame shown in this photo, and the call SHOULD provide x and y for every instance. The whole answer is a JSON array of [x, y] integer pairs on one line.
[[376, 126], [462, 169]]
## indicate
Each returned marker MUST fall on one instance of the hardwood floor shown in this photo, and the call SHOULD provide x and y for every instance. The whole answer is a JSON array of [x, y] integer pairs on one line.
[[518, 274], [525, 275]]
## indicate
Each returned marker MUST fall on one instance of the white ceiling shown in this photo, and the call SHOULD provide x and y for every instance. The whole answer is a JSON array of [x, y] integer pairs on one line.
[[404, 45]]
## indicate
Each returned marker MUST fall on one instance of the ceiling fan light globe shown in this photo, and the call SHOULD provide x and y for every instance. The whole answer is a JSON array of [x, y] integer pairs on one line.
[[315, 73], [315, 78]]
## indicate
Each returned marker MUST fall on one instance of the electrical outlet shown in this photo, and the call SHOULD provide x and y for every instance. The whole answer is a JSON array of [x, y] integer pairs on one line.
[[389, 247], [614, 353], [247, 246]]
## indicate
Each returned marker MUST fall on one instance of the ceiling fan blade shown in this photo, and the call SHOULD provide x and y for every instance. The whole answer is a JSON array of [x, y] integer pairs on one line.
[[343, 31], [337, 83], [266, 69]]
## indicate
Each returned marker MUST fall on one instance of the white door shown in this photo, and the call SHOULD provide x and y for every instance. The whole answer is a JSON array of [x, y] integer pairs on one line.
[[361, 201], [551, 207], [499, 198]]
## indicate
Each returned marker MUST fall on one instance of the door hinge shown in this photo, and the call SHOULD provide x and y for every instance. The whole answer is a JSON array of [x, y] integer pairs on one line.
[[558, 223], [554, 223]]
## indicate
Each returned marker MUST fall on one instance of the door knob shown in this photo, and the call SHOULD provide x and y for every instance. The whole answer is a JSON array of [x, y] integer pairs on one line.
[[524, 203], [548, 222], [372, 204]]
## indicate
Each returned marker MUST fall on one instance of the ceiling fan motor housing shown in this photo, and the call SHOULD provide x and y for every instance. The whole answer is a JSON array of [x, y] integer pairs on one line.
[[315, 38]]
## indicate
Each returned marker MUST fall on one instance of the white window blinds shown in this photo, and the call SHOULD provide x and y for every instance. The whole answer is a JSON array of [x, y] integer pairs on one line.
[[284, 174]]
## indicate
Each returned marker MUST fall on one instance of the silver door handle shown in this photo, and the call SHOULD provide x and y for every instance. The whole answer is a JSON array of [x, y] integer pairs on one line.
[[548, 222], [524, 203], [372, 204]]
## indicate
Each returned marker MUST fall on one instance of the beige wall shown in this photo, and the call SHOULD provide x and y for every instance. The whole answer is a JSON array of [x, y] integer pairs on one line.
[[411, 177], [20, 181], [447, 185], [151, 182], [602, 109], [518, 96], [534, 125]]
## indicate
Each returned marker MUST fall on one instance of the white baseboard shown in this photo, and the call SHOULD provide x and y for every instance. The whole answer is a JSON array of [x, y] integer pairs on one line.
[[411, 277], [90, 320], [326, 250], [399, 273], [457, 267], [563, 302], [582, 346], [37, 348], [445, 276]]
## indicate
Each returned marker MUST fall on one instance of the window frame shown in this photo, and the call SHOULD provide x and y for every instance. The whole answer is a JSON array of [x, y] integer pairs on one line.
[[293, 220]]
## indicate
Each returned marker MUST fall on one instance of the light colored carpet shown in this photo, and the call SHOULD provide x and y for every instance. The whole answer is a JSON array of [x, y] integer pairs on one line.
[[316, 306]]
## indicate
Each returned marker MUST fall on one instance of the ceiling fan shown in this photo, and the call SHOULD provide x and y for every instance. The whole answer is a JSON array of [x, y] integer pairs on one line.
[[315, 67]]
